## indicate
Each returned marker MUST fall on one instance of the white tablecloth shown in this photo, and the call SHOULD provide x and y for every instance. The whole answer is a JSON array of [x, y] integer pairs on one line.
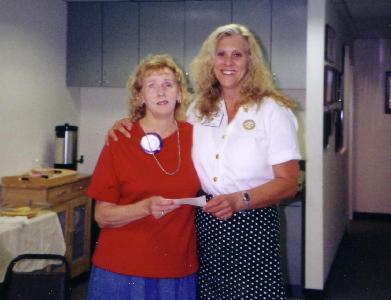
[[40, 234]]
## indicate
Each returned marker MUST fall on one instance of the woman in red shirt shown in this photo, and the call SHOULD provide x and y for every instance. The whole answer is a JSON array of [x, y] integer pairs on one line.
[[146, 247]]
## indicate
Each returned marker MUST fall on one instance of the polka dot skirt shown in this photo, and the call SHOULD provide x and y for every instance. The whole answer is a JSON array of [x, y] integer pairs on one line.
[[240, 257]]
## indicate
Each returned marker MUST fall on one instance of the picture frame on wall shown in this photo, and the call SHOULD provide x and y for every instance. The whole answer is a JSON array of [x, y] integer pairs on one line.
[[330, 44], [387, 99], [327, 128], [338, 129], [339, 113], [344, 51], [330, 87]]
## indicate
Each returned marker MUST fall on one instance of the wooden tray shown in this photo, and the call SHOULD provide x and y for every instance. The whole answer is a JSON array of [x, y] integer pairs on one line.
[[34, 180], [24, 211]]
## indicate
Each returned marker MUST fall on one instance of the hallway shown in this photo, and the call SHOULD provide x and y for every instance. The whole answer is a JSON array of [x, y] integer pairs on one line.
[[362, 268]]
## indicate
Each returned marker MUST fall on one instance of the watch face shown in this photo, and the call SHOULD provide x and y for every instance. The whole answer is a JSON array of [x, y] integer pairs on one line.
[[246, 196], [151, 143], [246, 200]]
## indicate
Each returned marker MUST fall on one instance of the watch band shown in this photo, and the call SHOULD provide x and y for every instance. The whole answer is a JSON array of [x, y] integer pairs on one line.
[[246, 200]]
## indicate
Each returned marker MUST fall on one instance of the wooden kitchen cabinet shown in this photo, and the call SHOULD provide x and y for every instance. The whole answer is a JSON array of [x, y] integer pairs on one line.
[[292, 228], [162, 29], [66, 198], [75, 219], [102, 43], [84, 39], [120, 43], [257, 15], [201, 17], [289, 41], [106, 39], [292, 244]]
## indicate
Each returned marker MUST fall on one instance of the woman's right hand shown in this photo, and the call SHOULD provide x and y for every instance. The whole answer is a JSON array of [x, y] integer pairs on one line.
[[123, 125], [112, 215], [160, 206]]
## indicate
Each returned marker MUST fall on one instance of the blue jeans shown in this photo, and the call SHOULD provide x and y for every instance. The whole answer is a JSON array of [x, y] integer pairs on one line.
[[106, 285]]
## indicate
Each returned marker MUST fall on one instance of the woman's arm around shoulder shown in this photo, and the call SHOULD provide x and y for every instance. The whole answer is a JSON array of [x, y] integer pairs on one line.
[[124, 126]]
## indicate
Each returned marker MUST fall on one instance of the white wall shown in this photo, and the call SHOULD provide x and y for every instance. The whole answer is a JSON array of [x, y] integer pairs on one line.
[[100, 107], [314, 231], [335, 164], [327, 170], [33, 95], [372, 128]]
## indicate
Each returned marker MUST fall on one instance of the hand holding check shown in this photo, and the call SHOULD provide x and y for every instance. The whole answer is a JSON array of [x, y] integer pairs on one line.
[[197, 201]]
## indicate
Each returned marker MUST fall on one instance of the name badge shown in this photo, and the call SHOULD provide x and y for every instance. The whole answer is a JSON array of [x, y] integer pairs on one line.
[[151, 143], [215, 121]]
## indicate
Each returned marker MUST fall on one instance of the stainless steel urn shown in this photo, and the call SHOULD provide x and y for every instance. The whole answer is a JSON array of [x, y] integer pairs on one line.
[[66, 147]]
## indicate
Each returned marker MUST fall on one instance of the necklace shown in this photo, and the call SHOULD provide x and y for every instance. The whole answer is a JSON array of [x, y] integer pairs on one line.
[[148, 135]]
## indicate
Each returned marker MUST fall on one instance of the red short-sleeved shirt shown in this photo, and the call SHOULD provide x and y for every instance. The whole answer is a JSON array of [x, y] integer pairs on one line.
[[147, 247]]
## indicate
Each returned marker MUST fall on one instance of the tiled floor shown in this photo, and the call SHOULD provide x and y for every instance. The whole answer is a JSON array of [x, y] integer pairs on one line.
[[361, 271]]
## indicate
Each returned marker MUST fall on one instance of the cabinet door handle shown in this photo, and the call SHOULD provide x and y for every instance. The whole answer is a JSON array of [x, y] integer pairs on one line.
[[274, 77]]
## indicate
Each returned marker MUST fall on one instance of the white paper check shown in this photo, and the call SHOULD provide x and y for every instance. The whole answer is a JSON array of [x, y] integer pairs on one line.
[[198, 201]]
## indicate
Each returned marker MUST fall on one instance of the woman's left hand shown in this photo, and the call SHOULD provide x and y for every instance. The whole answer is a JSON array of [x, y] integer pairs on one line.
[[223, 206]]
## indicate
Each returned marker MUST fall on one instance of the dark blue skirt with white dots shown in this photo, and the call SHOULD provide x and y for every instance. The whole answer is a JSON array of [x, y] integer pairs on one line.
[[240, 257]]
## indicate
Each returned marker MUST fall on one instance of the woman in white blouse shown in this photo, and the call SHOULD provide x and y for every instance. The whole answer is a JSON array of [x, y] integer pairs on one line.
[[246, 155]]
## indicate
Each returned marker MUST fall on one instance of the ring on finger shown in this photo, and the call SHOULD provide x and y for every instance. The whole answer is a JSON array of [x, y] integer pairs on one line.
[[162, 212]]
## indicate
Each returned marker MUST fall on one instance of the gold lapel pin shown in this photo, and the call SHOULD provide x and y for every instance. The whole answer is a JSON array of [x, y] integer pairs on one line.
[[249, 124]]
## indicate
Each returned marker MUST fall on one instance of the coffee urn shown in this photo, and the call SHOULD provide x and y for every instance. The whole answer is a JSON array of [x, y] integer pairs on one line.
[[66, 147]]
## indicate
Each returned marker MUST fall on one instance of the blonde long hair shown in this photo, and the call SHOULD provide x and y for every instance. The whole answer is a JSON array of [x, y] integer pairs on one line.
[[155, 63], [256, 84]]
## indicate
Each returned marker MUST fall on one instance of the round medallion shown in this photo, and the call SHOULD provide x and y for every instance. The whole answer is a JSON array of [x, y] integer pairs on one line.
[[249, 124], [151, 143]]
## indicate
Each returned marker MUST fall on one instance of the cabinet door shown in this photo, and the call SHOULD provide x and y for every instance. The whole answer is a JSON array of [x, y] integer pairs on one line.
[[80, 222], [162, 29], [62, 211], [256, 15], [289, 23], [84, 44], [201, 18], [291, 239], [120, 42]]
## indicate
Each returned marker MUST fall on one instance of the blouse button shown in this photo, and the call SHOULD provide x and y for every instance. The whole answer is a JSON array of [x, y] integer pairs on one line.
[[217, 156], [223, 136], [215, 179]]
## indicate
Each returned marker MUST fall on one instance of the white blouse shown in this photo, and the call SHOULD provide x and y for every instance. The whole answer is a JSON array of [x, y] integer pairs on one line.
[[240, 155]]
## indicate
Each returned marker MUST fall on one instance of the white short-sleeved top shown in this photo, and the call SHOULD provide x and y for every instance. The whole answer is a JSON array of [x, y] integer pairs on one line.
[[240, 155]]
